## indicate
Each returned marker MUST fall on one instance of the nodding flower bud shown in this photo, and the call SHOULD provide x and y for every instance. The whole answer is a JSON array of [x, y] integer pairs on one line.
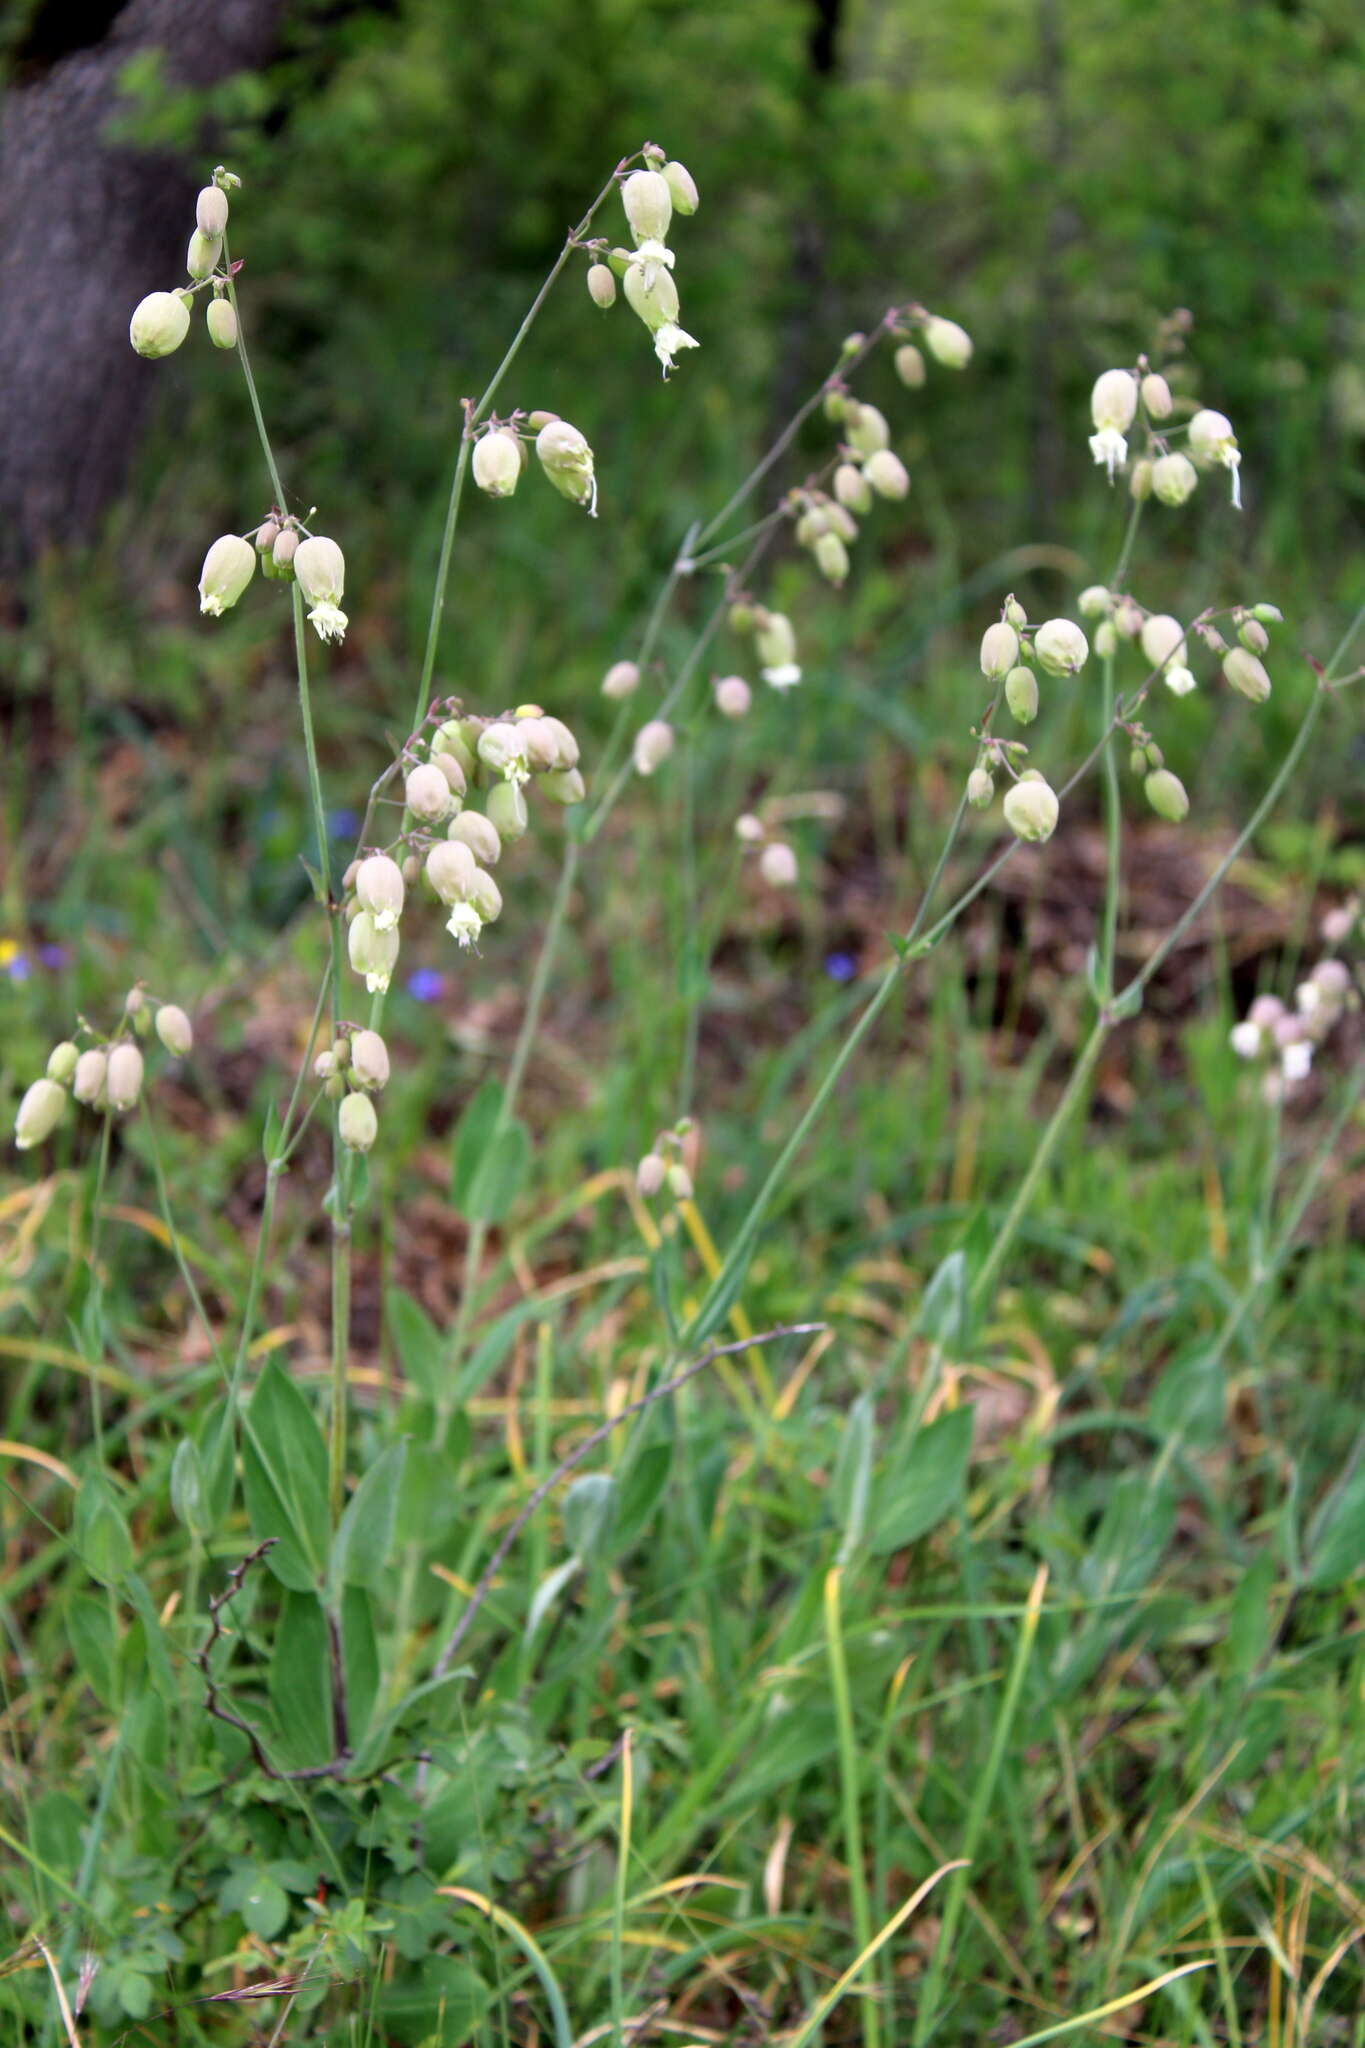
[[887, 474], [379, 889], [1031, 808], [123, 1079], [357, 1124], [1246, 672], [40, 1112], [450, 870], [910, 366], [947, 343], [980, 788], [211, 211], [733, 696], [89, 1079], [650, 1175], [1163, 642], [487, 898], [1212, 440], [1156, 395], [1061, 647], [1166, 795], [831, 558], [222, 323], [601, 285], [540, 743], [1253, 634], [450, 741], [369, 1059], [648, 200], [776, 645], [622, 679], [502, 749], [564, 786], [653, 745], [497, 462], [999, 650], [283, 553], [682, 188], [454, 775], [852, 489], [1128, 618], [201, 258], [1021, 694], [320, 568], [1015, 615], [427, 794], [1106, 640], [1093, 601], [473, 830], [266, 535], [777, 864], [865, 429], [507, 812], [228, 567], [1140, 480], [567, 461], [372, 953], [566, 746], [679, 1182], [1268, 614], [1174, 479], [61, 1061], [159, 324], [174, 1030]]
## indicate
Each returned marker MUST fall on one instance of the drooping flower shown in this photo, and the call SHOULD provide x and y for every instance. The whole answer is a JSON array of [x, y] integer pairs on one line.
[[320, 569]]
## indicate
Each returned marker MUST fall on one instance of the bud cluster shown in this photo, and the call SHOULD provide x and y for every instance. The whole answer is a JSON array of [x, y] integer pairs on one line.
[[662, 1169], [650, 197], [107, 1075], [447, 842], [501, 454], [774, 639], [161, 321], [776, 857], [288, 554]]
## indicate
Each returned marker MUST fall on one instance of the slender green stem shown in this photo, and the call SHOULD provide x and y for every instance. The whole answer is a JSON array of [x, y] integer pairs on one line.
[[850, 1791], [1113, 800], [256, 413], [474, 415], [164, 1203], [341, 1333], [1071, 1095]]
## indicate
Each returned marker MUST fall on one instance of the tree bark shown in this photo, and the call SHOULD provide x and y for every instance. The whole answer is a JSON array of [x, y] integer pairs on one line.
[[87, 227]]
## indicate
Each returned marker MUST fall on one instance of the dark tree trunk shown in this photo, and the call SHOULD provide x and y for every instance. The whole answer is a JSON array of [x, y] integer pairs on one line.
[[87, 226]]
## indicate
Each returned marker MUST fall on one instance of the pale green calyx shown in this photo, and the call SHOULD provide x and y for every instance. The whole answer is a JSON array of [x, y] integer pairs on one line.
[[159, 324], [1166, 795], [357, 1123], [648, 201], [228, 567], [887, 474], [222, 323], [653, 745], [379, 889], [502, 748], [775, 642], [201, 258], [999, 650], [123, 1079], [1061, 647], [601, 285], [211, 212], [174, 1030], [497, 462], [682, 188], [1174, 479], [369, 1060], [1031, 809], [947, 343], [372, 953]]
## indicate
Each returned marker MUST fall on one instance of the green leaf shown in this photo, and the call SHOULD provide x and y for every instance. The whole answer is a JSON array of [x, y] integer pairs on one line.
[[942, 1317], [90, 1630], [300, 1682], [1336, 1546], [187, 1487], [365, 1532], [420, 1345], [491, 1158], [101, 1533], [640, 1492], [217, 1441], [926, 1485], [262, 1902], [852, 1483], [1251, 1615], [590, 1516], [284, 1471], [155, 1654], [360, 1659], [547, 1593], [134, 1993]]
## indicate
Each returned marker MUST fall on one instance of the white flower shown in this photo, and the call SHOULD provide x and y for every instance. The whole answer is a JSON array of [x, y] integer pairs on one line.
[[464, 923], [668, 339], [1296, 1061], [320, 570], [1245, 1039], [1109, 447]]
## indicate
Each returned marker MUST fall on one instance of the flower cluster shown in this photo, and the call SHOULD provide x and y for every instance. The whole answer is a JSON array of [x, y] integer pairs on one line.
[[776, 857], [1012, 652], [354, 1069], [161, 321], [1122, 399], [288, 554], [445, 843], [107, 1073], [1282, 1039], [650, 197]]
